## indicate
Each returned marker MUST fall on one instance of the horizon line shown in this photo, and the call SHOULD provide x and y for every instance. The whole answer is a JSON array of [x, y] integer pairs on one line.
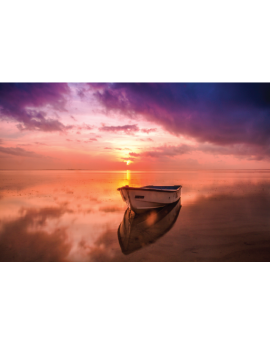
[[74, 169]]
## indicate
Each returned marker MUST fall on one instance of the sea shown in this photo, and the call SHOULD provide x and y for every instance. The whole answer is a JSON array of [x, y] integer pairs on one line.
[[78, 215]]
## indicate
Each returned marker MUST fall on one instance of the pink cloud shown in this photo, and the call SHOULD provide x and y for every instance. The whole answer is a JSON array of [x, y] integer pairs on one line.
[[149, 130], [128, 129]]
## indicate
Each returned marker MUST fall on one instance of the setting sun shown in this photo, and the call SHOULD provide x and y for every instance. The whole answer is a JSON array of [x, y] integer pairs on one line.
[[128, 162]]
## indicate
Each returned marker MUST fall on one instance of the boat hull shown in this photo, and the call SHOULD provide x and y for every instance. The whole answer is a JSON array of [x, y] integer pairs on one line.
[[141, 200]]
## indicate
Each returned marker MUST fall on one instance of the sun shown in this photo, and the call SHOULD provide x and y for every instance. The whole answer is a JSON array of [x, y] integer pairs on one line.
[[128, 162]]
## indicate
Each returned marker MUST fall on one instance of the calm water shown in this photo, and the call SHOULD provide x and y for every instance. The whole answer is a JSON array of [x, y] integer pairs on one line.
[[75, 216]]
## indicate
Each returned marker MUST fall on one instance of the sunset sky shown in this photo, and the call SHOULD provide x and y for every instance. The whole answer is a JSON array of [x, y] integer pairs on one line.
[[132, 126]]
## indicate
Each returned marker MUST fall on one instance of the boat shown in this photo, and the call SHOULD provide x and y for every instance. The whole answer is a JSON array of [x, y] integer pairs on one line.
[[145, 198], [139, 230]]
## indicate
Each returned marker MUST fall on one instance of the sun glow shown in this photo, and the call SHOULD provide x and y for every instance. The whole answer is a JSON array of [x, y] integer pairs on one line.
[[128, 162]]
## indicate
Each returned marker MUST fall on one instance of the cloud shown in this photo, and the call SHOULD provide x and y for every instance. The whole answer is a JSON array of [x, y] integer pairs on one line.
[[39, 143], [18, 242], [221, 114], [106, 248], [128, 129], [250, 152], [161, 151], [169, 151], [128, 159], [17, 151], [85, 126], [121, 149], [134, 154], [149, 130], [146, 139], [90, 140], [22, 102]]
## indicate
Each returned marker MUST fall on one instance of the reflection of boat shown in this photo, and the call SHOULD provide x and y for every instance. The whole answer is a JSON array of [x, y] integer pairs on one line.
[[148, 197], [138, 230]]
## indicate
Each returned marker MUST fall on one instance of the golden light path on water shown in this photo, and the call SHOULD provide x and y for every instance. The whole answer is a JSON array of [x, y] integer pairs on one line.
[[74, 215]]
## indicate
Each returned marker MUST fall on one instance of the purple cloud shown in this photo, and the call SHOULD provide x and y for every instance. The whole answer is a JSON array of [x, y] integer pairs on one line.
[[21, 102], [222, 113], [128, 129], [17, 151]]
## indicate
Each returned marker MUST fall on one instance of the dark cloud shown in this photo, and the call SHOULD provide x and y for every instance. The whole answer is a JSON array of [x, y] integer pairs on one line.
[[21, 102], [18, 241], [17, 151], [222, 113], [128, 129]]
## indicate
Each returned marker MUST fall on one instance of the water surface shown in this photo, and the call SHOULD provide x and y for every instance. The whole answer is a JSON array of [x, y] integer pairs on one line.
[[75, 216]]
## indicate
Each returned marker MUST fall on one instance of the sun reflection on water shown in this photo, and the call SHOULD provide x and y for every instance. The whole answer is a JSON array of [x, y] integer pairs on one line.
[[128, 175]]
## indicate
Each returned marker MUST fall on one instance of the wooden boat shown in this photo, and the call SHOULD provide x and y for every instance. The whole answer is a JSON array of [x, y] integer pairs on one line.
[[139, 230], [148, 197]]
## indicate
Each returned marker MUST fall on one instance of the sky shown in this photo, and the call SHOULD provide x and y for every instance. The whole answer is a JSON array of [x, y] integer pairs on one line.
[[136, 126]]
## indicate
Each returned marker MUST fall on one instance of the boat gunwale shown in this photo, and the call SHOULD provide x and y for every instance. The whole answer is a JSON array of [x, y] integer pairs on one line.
[[150, 189]]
